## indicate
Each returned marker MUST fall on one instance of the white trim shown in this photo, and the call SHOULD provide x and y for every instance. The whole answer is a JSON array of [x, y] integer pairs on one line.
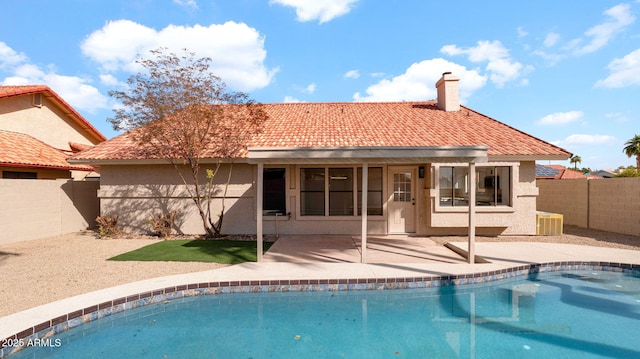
[[347, 155]]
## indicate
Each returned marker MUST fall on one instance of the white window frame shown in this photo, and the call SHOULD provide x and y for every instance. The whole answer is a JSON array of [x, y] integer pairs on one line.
[[513, 181]]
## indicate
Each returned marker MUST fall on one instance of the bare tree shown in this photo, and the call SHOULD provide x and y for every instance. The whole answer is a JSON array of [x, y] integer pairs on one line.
[[176, 109]]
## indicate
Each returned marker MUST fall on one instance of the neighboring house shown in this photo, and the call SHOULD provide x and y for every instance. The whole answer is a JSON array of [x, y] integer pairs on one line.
[[304, 173], [604, 174], [561, 172], [38, 131], [24, 157]]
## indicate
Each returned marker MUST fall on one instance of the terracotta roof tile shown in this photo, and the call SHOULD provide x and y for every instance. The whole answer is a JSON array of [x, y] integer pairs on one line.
[[364, 124], [567, 173], [21, 150], [10, 91]]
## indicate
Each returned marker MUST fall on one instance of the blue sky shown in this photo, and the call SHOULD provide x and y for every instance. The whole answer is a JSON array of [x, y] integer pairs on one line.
[[567, 72]]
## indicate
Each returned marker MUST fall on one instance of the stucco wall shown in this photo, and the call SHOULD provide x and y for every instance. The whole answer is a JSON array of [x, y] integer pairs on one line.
[[518, 219], [135, 193], [40, 172], [31, 209], [611, 205], [47, 123]]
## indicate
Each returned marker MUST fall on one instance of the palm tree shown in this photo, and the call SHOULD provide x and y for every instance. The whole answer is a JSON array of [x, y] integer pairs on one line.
[[632, 148], [575, 160]]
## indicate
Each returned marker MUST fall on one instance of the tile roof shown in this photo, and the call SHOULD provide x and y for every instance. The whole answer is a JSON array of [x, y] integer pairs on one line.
[[11, 91], [22, 150], [366, 124]]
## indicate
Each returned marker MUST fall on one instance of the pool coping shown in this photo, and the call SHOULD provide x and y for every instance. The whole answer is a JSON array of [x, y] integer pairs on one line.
[[47, 328]]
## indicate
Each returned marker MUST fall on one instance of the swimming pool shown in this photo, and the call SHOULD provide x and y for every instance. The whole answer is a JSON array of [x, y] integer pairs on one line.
[[555, 314]]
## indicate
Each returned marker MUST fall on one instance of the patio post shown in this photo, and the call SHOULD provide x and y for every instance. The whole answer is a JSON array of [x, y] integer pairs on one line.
[[259, 195], [365, 189], [472, 213]]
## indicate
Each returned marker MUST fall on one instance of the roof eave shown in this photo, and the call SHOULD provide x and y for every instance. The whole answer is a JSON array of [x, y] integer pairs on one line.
[[284, 155], [48, 167], [540, 157], [153, 161]]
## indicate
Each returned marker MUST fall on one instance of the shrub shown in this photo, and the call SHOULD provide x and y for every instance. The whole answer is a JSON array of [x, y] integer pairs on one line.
[[108, 225], [162, 224]]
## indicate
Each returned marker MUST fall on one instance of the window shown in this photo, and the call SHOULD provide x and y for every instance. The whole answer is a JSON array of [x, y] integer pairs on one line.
[[340, 189], [454, 187], [402, 187], [374, 191], [312, 191], [493, 186], [19, 175], [274, 192]]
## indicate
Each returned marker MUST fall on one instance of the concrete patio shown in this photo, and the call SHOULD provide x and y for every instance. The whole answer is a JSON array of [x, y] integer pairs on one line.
[[347, 249]]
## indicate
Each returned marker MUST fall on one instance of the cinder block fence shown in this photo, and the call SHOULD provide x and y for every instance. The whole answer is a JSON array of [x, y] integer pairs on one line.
[[31, 209], [611, 204]]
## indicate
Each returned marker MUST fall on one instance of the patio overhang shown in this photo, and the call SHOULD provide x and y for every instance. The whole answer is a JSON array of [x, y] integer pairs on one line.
[[347, 155], [470, 155]]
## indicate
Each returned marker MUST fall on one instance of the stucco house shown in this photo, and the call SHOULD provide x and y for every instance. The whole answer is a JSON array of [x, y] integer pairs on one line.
[[349, 168], [38, 132]]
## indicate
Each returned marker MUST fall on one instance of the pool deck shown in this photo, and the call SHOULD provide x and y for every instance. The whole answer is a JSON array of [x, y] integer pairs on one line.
[[385, 261]]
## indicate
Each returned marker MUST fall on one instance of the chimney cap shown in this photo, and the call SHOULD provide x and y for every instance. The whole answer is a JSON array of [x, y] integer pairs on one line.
[[446, 73]]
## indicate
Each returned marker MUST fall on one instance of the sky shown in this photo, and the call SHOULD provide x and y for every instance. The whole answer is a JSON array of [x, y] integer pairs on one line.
[[567, 72]]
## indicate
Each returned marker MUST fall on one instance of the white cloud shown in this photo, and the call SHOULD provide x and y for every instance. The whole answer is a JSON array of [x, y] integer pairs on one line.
[[310, 89], [581, 139], [110, 80], [560, 118], [418, 82], [236, 49], [321, 10], [551, 39], [617, 117], [9, 57], [618, 17], [289, 99], [501, 67], [191, 4], [624, 71], [352, 74], [521, 32], [75, 90], [552, 58]]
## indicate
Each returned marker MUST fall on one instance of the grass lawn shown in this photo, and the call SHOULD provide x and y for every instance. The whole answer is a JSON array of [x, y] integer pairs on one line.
[[211, 251]]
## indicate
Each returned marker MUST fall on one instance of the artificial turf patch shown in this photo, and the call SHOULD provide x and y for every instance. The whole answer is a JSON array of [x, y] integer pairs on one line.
[[209, 251]]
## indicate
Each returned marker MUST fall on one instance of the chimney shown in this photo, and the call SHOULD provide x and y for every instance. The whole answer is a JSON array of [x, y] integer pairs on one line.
[[448, 93]]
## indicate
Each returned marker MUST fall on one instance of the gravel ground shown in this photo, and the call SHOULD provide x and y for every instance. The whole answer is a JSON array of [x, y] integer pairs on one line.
[[45, 270]]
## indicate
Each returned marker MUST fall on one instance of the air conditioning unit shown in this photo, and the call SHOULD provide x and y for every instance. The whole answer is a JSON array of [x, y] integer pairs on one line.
[[548, 224]]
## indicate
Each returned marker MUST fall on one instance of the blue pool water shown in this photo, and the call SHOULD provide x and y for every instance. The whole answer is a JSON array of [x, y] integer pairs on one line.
[[550, 315]]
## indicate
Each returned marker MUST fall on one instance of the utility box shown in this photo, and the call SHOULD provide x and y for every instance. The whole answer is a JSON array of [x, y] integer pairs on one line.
[[548, 224]]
